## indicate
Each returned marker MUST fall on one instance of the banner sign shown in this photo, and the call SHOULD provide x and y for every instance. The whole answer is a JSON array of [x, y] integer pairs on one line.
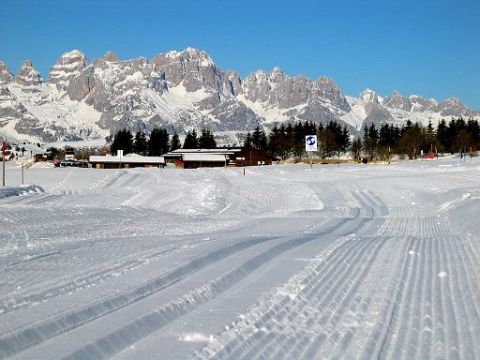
[[311, 143]]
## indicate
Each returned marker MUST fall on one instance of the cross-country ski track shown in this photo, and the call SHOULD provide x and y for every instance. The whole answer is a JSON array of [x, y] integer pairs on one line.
[[350, 261]]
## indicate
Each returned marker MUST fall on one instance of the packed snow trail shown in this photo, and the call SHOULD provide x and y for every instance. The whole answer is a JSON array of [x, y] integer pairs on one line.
[[346, 261]]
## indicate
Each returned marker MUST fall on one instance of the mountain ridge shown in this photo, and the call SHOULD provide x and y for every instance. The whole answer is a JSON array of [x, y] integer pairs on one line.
[[182, 90]]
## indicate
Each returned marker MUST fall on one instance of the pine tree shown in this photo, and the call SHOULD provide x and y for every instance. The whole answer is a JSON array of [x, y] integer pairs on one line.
[[451, 133], [191, 141], [370, 141], [247, 143], [442, 136], [474, 129], [159, 142], [273, 142], [344, 139], [263, 144], [123, 140], [207, 140], [412, 141], [140, 143], [175, 142], [430, 137], [299, 141], [259, 139], [256, 137], [388, 141], [356, 149], [327, 142]]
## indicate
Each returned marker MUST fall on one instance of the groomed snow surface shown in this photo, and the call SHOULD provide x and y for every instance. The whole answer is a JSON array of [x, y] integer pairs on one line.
[[350, 261]]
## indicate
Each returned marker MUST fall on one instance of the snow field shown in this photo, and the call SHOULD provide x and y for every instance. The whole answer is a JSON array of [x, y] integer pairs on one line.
[[286, 262]]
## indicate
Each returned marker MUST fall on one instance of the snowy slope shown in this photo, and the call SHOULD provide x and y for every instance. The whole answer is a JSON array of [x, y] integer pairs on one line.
[[286, 262]]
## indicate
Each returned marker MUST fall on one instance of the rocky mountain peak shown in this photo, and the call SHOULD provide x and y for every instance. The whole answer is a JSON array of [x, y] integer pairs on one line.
[[326, 88], [369, 96], [192, 67], [453, 101], [27, 75], [67, 67], [5, 74], [421, 104], [452, 107], [397, 101], [276, 71], [110, 56], [190, 55], [233, 83]]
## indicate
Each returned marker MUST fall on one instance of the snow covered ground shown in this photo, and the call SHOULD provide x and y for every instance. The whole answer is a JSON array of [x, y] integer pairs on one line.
[[350, 261]]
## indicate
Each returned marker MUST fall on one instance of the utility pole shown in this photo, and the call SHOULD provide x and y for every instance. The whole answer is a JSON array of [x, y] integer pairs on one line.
[[4, 148], [311, 145]]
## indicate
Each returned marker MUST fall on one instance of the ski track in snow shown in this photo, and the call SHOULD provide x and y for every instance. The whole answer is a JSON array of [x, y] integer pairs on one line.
[[336, 262]]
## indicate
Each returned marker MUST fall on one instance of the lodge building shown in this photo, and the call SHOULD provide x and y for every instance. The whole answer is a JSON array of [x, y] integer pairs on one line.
[[186, 158]]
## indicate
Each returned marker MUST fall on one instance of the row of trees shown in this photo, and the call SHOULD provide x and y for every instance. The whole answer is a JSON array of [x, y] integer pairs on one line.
[[159, 142], [289, 140], [409, 140], [205, 141], [458, 134]]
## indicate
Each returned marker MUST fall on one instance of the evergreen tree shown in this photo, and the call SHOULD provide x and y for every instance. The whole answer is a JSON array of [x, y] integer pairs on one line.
[[412, 141], [474, 130], [370, 141], [159, 142], [259, 139], [274, 142], [207, 140], [462, 141], [310, 128], [388, 141], [278, 142], [452, 131], [384, 136], [140, 143], [247, 144], [328, 145], [356, 149], [191, 141], [442, 136], [344, 139], [123, 140], [284, 144], [175, 142], [263, 145], [430, 137], [299, 140]]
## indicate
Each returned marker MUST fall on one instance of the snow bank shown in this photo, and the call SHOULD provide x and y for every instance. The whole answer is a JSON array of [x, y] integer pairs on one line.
[[19, 190]]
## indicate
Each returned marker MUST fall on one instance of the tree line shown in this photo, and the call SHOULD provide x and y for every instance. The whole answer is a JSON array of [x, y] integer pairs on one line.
[[288, 140], [159, 142], [413, 138]]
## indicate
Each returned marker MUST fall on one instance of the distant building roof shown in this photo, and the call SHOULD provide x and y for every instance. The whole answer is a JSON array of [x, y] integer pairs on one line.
[[129, 158], [205, 157], [221, 151]]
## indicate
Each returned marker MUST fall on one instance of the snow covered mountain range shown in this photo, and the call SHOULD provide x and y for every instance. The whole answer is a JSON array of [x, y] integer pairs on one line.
[[185, 90]]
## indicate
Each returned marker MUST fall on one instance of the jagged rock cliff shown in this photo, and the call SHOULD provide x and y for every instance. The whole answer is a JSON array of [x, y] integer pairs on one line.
[[182, 90]]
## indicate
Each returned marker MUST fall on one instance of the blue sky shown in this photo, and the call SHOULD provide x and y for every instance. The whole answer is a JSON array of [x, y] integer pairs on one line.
[[424, 47]]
